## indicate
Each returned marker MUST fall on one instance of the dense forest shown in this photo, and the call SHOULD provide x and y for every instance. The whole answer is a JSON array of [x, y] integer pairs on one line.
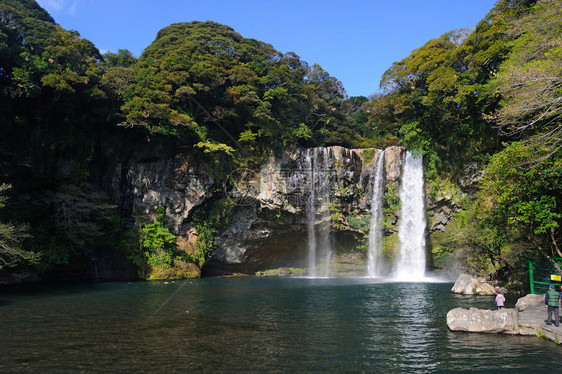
[[491, 96]]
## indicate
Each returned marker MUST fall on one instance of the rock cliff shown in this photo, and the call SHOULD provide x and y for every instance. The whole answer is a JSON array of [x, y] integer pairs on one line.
[[268, 223], [267, 226]]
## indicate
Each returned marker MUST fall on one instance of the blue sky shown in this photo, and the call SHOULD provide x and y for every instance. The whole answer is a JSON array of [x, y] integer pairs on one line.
[[355, 41]]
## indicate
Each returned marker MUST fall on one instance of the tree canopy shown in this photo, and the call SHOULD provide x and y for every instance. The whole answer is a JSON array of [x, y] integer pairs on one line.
[[207, 85], [530, 82]]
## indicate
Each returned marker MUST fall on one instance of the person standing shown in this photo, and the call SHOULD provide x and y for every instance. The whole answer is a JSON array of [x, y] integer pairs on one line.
[[500, 296], [552, 300], [498, 289], [500, 300]]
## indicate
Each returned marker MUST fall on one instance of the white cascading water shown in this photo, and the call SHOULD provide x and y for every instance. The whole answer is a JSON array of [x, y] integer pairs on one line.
[[374, 264], [324, 226], [311, 213], [318, 209], [410, 265]]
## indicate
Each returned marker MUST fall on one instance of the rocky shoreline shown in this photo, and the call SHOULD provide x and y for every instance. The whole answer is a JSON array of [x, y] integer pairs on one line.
[[527, 318]]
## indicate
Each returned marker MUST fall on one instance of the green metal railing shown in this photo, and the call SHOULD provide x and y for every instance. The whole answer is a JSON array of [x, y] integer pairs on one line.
[[544, 271]]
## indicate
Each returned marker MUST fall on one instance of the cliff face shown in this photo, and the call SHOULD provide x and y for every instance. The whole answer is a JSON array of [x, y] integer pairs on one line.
[[268, 225], [148, 181], [269, 230]]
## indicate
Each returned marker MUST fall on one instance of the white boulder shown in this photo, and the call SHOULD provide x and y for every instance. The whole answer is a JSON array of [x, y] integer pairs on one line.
[[467, 285], [529, 300], [487, 321]]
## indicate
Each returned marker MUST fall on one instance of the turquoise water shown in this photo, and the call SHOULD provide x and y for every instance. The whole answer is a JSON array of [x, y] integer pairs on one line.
[[253, 325]]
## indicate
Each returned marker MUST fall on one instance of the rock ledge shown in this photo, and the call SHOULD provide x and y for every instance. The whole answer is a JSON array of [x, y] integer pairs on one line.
[[529, 321]]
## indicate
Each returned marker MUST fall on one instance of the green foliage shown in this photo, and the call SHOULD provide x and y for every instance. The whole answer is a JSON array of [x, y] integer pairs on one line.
[[123, 58], [367, 155], [66, 222], [202, 86], [209, 224], [529, 80], [247, 136], [437, 97], [446, 98], [392, 206], [524, 194], [412, 136], [209, 147], [302, 132], [517, 211], [207, 233], [157, 242], [359, 222], [11, 238], [203, 83], [336, 215]]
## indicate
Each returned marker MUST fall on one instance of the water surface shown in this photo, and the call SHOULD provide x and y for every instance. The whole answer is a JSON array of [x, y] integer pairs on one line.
[[241, 325]]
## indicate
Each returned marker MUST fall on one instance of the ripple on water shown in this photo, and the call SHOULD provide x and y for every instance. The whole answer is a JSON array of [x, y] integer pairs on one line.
[[253, 325]]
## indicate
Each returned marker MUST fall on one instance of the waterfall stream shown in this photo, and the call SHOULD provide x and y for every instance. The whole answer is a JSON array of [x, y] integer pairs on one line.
[[410, 264], [375, 254], [311, 213], [318, 213]]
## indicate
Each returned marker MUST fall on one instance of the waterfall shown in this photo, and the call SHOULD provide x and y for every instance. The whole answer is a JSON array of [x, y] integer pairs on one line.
[[324, 212], [318, 211], [410, 265], [311, 213], [374, 267]]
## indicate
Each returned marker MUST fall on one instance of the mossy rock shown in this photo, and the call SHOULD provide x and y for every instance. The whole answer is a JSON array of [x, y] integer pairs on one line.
[[180, 270], [391, 245], [281, 272], [443, 243]]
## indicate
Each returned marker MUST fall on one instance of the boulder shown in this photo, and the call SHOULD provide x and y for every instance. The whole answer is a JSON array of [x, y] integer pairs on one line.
[[529, 300], [467, 285], [486, 321]]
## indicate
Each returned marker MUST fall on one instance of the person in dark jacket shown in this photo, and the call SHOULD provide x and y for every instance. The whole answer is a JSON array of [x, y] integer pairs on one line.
[[552, 300]]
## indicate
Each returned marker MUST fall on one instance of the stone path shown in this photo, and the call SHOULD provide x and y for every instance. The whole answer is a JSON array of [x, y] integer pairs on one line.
[[533, 317]]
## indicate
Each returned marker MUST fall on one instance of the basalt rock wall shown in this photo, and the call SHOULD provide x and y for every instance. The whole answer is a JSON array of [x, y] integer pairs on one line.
[[270, 229], [268, 224]]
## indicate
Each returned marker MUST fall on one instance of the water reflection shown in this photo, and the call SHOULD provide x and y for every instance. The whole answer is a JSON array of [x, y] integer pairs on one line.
[[246, 325]]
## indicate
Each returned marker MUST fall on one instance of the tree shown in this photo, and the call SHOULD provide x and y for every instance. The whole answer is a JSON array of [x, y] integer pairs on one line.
[[11, 237], [530, 81], [123, 58], [517, 212], [207, 86], [443, 88]]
